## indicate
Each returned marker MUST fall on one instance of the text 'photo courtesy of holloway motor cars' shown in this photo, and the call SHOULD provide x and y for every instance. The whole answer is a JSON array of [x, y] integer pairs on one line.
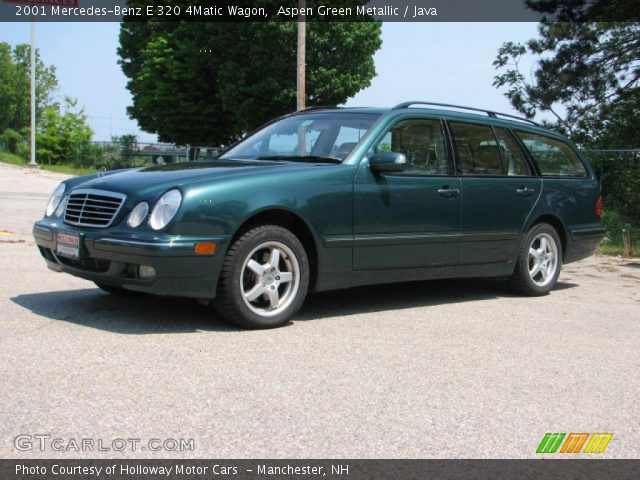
[[331, 198]]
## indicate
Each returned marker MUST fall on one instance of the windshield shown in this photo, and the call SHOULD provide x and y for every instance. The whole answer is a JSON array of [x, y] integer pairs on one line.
[[306, 137]]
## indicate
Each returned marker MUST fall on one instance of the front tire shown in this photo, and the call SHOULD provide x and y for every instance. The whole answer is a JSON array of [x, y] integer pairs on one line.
[[539, 262], [264, 278]]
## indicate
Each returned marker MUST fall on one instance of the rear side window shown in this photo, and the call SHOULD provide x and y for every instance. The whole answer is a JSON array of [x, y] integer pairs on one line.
[[477, 149], [554, 158], [513, 156]]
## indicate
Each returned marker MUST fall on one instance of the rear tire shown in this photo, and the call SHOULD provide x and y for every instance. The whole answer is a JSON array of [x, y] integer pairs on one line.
[[264, 278], [539, 262]]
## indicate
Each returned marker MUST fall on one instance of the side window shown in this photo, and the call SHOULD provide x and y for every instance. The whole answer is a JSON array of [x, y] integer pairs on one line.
[[422, 141], [513, 157], [477, 149], [554, 158]]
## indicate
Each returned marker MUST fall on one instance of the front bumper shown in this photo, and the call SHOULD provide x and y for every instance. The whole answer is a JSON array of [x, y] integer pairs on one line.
[[114, 258]]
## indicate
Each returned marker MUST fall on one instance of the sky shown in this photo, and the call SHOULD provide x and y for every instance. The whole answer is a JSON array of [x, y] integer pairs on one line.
[[440, 62]]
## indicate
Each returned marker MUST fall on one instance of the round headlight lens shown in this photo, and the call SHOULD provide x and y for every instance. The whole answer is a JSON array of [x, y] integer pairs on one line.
[[138, 214], [165, 209], [55, 198]]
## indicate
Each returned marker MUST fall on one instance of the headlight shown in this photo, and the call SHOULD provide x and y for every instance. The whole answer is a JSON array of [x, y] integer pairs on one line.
[[55, 198], [62, 206], [138, 214], [165, 209]]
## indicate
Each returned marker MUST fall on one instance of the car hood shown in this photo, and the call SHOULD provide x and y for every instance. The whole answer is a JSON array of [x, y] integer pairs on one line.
[[150, 180]]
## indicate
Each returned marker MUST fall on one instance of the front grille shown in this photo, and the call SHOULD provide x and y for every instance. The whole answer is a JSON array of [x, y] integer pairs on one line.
[[92, 208]]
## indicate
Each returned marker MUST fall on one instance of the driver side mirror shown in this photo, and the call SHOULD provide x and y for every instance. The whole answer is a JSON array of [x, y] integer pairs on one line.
[[387, 162]]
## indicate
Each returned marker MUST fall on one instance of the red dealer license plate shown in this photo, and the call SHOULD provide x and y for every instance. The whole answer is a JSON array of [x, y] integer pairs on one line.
[[68, 245]]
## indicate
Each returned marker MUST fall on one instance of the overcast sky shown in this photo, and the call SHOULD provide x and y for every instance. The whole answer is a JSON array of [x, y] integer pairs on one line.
[[442, 62]]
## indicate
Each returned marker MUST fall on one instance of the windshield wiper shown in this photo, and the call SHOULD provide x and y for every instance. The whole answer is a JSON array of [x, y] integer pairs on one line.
[[301, 158]]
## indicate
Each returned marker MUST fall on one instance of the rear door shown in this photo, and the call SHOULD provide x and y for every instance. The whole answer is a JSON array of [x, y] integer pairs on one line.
[[499, 191]]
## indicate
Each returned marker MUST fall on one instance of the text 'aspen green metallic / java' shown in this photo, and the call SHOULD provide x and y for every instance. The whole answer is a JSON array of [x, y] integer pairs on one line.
[[334, 198]]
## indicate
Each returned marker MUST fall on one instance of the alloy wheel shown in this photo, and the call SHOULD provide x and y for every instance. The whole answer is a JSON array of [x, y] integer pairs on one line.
[[270, 278], [543, 259]]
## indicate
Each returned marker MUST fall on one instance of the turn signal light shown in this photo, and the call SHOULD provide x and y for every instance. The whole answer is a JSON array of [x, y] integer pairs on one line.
[[205, 248]]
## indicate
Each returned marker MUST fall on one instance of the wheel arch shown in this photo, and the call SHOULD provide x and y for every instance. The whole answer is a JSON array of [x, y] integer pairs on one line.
[[293, 222]]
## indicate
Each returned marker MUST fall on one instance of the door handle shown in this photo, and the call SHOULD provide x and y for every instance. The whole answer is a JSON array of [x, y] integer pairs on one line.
[[525, 191], [448, 192]]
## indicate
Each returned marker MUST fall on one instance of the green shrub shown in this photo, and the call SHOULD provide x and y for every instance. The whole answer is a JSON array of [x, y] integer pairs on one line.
[[11, 140], [613, 224], [619, 175]]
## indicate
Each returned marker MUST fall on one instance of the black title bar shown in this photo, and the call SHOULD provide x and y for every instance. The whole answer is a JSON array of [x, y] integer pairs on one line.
[[243, 10]]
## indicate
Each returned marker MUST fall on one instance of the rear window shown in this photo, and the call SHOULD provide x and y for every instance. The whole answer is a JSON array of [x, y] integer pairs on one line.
[[554, 157]]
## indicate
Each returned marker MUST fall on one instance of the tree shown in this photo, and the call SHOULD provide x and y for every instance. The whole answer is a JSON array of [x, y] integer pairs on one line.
[[63, 134], [210, 83], [15, 94], [586, 10], [587, 75]]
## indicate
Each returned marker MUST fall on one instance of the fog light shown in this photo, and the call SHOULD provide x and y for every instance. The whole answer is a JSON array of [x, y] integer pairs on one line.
[[145, 271]]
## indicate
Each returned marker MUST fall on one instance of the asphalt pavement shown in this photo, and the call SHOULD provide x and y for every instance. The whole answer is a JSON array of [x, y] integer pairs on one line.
[[441, 369]]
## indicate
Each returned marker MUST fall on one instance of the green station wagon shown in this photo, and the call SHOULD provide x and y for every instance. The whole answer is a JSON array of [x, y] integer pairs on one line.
[[331, 198]]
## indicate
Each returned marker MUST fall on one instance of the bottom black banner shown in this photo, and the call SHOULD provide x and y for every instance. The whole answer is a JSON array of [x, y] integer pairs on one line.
[[316, 469]]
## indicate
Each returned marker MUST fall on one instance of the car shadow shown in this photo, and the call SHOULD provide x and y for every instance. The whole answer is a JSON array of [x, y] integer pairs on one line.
[[406, 295], [133, 314], [146, 314]]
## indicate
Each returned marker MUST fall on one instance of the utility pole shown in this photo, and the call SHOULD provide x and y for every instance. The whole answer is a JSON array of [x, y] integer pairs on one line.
[[302, 47], [32, 161], [301, 103]]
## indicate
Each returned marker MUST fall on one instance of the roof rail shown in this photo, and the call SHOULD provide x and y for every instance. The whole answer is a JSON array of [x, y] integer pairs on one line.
[[318, 107], [488, 112]]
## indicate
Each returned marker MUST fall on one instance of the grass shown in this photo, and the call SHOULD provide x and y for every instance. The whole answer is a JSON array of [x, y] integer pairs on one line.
[[12, 159], [617, 248], [68, 169]]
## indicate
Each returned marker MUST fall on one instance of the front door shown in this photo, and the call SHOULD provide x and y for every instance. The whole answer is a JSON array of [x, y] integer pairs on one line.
[[411, 218]]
